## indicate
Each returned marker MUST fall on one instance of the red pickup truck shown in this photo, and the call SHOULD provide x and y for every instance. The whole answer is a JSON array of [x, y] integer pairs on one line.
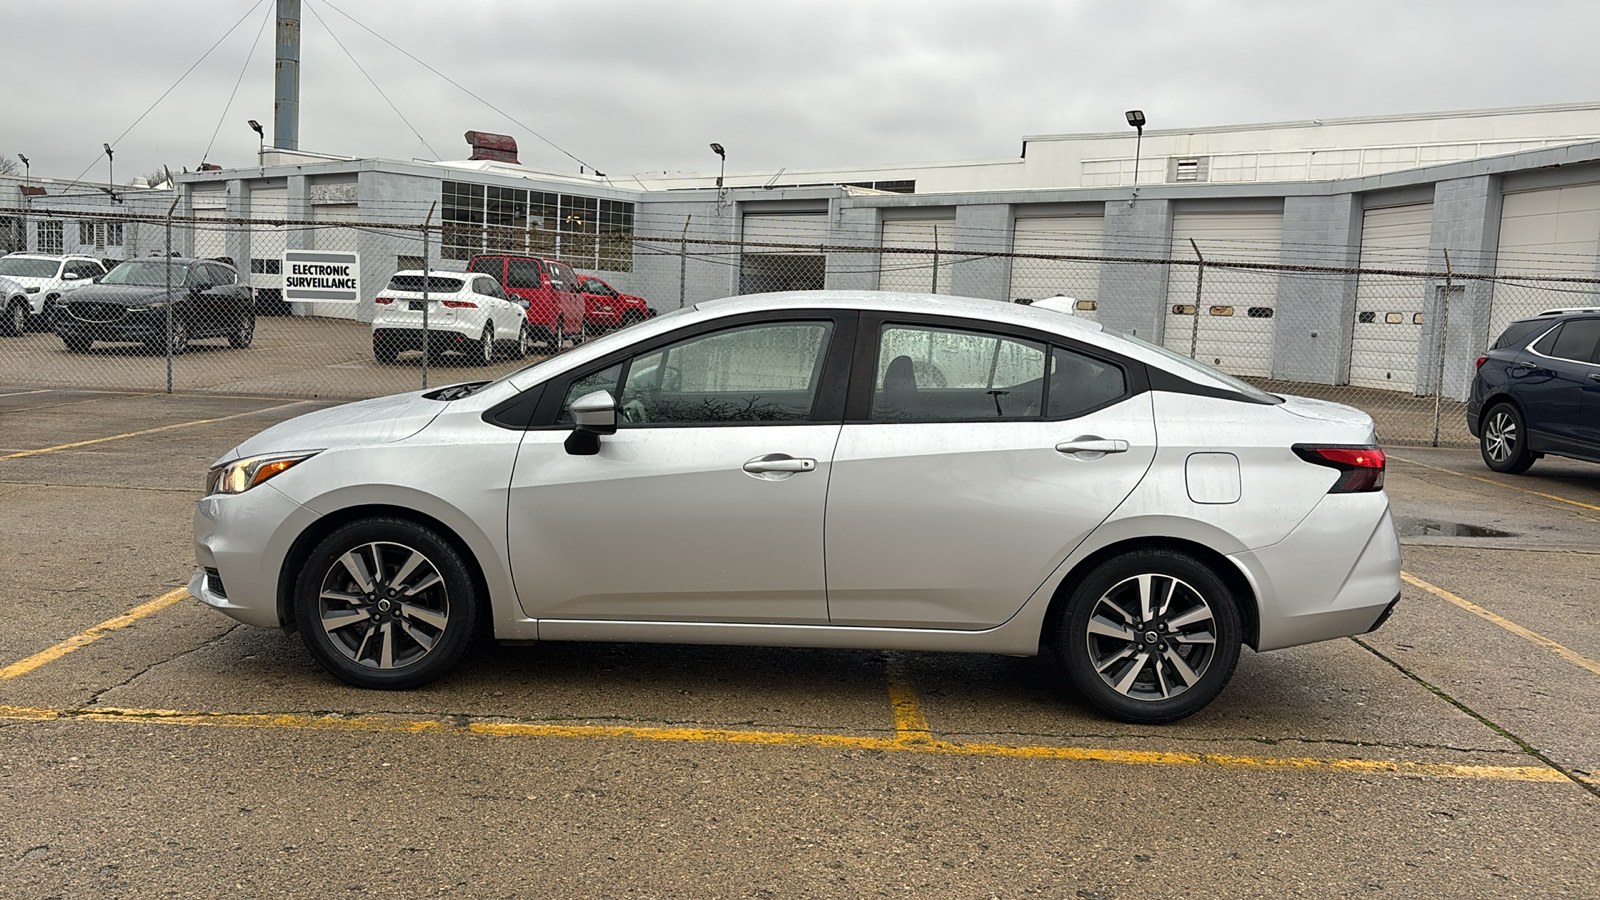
[[606, 309]]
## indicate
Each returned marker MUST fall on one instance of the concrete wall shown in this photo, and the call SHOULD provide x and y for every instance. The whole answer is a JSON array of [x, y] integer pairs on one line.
[[1133, 296], [1315, 313], [1466, 222], [983, 229]]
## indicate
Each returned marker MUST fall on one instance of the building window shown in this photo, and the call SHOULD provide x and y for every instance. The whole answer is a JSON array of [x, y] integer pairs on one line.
[[408, 264], [580, 225], [462, 214], [616, 236], [113, 234], [51, 237], [266, 266], [85, 233]]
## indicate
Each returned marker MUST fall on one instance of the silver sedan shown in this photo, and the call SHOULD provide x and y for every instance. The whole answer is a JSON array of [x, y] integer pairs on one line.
[[820, 469]]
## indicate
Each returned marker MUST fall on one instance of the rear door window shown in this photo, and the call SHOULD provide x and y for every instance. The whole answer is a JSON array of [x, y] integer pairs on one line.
[[524, 274], [488, 265], [937, 374], [1577, 340]]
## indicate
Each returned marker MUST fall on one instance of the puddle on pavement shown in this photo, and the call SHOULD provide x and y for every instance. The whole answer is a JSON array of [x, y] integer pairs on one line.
[[1412, 527]]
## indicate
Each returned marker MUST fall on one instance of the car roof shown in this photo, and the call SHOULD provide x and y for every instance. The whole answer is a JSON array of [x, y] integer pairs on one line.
[[921, 304], [53, 257]]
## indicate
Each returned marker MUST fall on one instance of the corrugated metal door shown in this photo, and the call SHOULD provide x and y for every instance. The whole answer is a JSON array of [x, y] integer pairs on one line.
[[1034, 279], [921, 273], [1555, 231], [802, 267], [810, 229], [1232, 327], [1383, 350], [210, 240], [267, 243]]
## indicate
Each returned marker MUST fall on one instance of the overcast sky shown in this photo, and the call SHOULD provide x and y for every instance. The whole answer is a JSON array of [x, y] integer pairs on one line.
[[645, 86]]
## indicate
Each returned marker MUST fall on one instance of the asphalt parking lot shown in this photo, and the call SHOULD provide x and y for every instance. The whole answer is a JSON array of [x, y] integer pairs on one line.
[[151, 747]]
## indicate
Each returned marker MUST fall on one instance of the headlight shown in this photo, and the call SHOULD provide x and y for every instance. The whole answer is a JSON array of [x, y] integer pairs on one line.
[[243, 474]]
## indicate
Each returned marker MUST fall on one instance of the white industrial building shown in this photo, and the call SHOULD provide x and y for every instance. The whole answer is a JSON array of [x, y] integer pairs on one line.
[[1506, 191]]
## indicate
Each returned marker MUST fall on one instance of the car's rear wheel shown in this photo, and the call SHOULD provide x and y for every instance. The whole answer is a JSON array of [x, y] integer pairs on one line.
[[384, 348], [244, 332], [177, 340], [1503, 440], [1149, 636], [485, 354], [16, 319], [386, 603], [524, 344]]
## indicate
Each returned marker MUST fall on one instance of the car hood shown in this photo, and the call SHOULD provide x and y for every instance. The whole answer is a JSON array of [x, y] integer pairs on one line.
[[380, 421], [118, 294]]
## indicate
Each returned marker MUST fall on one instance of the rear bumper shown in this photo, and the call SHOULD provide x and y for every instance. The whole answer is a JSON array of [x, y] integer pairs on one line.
[[1327, 579], [442, 340]]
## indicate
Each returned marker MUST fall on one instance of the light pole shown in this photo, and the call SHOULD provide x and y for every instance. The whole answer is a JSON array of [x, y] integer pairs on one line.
[[1136, 119], [261, 141], [27, 171], [111, 177], [723, 155]]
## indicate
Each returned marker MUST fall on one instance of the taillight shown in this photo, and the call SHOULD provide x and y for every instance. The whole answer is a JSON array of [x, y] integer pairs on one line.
[[383, 301], [1360, 467], [1481, 361], [460, 304]]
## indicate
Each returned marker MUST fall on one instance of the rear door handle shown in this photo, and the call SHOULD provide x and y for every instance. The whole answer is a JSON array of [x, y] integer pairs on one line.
[[1594, 376], [774, 466], [1526, 365], [1091, 444]]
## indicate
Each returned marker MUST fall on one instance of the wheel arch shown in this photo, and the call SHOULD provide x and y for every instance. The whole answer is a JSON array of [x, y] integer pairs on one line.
[[313, 534], [1249, 607], [1501, 395]]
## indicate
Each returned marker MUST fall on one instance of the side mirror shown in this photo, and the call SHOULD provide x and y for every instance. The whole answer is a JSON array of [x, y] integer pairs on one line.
[[69, 276], [593, 415], [525, 304]]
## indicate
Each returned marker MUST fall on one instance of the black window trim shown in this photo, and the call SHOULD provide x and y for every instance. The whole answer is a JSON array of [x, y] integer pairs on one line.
[[540, 415], [864, 373]]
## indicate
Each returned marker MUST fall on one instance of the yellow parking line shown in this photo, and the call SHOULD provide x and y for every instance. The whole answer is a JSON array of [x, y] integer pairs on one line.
[[909, 723], [388, 725], [1569, 655], [25, 393], [84, 638], [1509, 487], [118, 437]]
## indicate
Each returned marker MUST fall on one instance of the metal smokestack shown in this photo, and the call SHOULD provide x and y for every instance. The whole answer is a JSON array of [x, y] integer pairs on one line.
[[286, 85]]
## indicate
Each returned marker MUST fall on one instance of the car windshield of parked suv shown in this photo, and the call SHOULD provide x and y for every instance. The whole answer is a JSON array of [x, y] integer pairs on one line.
[[146, 273], [1243, 387], [28, 268]]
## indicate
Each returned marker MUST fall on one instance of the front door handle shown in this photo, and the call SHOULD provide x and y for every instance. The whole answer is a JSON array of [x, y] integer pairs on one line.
[[1090, 447], [774, 466], [1594, 376]]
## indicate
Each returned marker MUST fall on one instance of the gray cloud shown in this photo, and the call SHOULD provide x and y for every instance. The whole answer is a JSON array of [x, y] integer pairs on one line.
[[644, 86]]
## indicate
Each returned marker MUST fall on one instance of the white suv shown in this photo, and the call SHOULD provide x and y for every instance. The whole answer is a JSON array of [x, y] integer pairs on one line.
[[45, 278], [468, 314]]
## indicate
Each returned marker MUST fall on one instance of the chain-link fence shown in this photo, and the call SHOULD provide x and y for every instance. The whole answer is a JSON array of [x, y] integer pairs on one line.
[[333, 306]]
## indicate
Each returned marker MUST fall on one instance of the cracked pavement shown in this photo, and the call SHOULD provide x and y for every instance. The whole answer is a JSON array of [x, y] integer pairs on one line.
[[187, 755]]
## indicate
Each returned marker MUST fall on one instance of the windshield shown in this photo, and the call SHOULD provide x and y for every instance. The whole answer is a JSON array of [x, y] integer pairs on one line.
[[615, 338], [145, 273], [28, 268], [1243, 387]]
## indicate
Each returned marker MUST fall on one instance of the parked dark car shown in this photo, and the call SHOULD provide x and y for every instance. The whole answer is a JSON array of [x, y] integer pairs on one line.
[[1537, 391], [130, 305]]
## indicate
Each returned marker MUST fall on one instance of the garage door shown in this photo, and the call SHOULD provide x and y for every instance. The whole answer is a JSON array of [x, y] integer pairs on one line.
[[784, 268], [1383, 351], [210, 240], [1230, 327], [1555, 231], [1034, 279], [267, 243], [925, 272]]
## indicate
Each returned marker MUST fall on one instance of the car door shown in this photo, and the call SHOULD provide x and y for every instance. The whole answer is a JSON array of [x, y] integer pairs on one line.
[[200, 301], [507, 316], [707, 503], [970, 465], [1558, 382]]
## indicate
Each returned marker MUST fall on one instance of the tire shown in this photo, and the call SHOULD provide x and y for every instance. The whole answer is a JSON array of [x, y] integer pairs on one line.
[[485, 354], [243, 333], [1503, 440], [178, 339], [362, 628], [384, 349], [1191, 628], [77, 343], [524, 344], [15, 322]]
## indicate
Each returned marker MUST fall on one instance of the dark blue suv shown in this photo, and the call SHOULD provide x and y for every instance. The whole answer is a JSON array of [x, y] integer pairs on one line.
[[1538, 391]]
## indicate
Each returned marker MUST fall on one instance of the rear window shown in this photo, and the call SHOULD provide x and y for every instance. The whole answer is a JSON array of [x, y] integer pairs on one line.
[[524, 274], [489, 265], [1520, 333], [436, 284]]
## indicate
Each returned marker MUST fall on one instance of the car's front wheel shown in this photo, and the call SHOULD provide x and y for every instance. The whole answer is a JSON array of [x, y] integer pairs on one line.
[[1149, 636], [485, 354], [386, 603], [1503, 440], [16, 319]]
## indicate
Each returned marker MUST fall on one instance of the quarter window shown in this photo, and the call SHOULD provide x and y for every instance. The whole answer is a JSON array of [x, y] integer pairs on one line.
[[929, 374], [1081, 383], [761, 373]]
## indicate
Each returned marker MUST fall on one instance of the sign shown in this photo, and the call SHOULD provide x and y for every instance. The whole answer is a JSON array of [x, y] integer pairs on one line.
[[310, 275]]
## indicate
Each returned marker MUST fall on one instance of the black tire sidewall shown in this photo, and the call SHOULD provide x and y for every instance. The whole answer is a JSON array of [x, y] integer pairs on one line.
[[452, 567], [1072, 654]]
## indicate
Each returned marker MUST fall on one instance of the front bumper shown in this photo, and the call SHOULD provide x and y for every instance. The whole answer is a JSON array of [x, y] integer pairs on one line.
[[136, 326], [245, 539]]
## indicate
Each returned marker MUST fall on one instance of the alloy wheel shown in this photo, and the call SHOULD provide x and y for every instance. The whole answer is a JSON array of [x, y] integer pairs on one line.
[[384, 605], [17, 317], [1500, 436], [1151, 637]]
